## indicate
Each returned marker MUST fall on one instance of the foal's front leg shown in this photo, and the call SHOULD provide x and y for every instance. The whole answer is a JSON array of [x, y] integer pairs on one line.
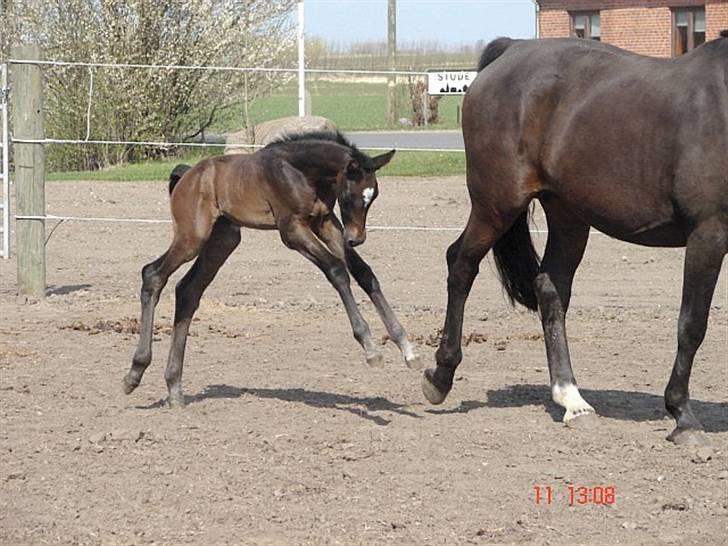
[[331, 233], [298, 236], [370, 284]]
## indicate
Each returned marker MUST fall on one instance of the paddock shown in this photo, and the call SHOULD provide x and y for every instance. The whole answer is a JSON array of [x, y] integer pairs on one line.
[[289, 438]]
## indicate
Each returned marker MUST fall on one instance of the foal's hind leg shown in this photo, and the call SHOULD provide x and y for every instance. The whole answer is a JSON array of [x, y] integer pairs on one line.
[[184, 247], [331, 233], [564, 250], [154, 279], [706, 247], [463, 260], [224, 238]]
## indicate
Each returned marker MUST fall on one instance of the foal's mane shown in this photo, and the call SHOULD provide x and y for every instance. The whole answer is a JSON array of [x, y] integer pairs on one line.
[[325, 136]]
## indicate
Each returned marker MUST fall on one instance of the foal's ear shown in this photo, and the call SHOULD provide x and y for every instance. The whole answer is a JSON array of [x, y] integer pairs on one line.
[[381, 160]]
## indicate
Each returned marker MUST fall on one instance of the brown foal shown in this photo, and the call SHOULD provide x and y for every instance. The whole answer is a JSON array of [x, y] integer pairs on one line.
[[290, 185]]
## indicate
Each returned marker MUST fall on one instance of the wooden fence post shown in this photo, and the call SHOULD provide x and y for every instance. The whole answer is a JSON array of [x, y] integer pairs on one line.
[[29, 160]]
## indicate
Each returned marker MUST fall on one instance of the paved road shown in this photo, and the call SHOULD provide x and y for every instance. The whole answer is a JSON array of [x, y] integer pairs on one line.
[[448, 140]]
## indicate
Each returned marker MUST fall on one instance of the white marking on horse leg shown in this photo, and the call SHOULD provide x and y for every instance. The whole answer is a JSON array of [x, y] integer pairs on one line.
[[406, 348], [411, 359], [568, 396]]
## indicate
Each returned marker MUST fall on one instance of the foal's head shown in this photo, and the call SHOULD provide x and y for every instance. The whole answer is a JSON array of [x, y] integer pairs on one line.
[[357, 189], [328, 156]]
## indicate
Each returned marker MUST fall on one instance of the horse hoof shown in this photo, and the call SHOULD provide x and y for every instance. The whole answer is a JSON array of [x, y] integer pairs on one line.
[[376, 361], [431, 392], [689, 437], [176, 402], [414, 363], [128, 386], [584, 420]]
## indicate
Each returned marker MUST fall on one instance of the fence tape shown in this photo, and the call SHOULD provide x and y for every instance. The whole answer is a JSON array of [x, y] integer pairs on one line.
[[223, 68], [154, 221], [203, 144]]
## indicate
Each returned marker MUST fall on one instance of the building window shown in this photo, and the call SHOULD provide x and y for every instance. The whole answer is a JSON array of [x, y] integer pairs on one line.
[[586, 25], [688, 29]]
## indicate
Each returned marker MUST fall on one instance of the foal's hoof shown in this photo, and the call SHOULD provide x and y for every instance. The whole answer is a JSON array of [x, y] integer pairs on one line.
[[689, 437], [128, 385], [414, 363], [376, 361], [585, 420], [432, 393]]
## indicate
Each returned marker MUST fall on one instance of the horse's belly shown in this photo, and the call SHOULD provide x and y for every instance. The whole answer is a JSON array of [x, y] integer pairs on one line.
[[255, 216], [660, 230], [668, 235]]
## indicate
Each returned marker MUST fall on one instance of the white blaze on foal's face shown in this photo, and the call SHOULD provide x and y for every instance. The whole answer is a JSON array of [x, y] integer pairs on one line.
[[368, 195]]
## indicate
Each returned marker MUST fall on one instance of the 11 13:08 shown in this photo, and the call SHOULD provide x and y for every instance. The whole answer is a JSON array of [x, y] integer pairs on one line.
[[578, 495]]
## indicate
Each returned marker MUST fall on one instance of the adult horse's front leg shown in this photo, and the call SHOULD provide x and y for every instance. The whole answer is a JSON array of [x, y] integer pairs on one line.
[[299, 236], [706, 247], [463, 260], [331, 233]]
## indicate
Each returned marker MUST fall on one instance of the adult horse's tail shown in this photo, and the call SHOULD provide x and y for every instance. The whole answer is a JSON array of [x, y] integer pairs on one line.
[[515, 258], [518, 262], [177, 173], [492, 51]]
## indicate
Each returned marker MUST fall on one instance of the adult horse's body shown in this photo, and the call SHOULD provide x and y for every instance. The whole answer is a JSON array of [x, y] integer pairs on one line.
[[634, 146], [291, 185]]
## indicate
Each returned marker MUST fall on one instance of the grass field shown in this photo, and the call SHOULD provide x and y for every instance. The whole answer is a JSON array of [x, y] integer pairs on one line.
[[351, 106], [404, 164]]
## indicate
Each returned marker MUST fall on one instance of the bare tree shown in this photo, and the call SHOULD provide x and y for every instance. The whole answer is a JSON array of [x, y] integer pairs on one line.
[[141, 103]]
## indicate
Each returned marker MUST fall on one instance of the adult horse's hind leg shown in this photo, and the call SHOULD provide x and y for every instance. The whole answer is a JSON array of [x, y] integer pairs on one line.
[[463, 260], [565, 246], [224, 238], [330, 232], [705, 249]]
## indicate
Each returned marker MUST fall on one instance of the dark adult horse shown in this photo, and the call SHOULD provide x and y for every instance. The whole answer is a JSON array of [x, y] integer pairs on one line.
[[291, 185], [635, 146]]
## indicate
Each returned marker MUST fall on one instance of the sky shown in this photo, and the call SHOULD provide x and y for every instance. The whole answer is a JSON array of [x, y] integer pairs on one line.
[[450, 22]]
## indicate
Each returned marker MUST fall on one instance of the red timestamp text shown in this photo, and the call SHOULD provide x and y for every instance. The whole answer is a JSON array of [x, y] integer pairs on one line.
[[577, 495]]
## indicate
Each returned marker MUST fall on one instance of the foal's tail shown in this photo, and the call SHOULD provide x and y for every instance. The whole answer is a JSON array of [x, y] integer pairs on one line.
[[176, 174], [518, 263]]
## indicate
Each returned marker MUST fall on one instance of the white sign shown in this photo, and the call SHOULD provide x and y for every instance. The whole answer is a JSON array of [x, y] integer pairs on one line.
[[451, 82]]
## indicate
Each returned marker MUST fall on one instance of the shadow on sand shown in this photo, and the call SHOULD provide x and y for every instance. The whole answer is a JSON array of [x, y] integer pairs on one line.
[[614, 404], [359, 406], [67, 289]]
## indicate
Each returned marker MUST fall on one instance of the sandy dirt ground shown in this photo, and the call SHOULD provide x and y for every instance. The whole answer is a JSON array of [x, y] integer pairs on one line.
[[289, 438]]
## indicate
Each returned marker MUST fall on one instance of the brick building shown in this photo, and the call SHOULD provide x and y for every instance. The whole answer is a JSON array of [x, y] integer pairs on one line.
[[662, 28]]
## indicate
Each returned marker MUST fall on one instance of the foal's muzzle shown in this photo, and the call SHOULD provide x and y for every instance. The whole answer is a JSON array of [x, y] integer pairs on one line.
[[355, 238]]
